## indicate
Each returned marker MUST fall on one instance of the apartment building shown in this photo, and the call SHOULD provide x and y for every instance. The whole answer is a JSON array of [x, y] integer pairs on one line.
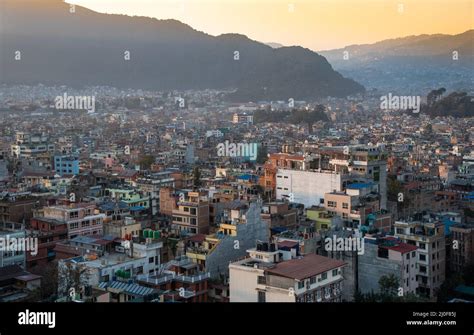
[[151, 185], [80, 218], [192, 213], [279, 214], [66, 165], [181, 280], [28, 145], [17, 207], [12, 231], [239, 228], [305, 179], [270, 275], [49, 232], [429, 238], [359, 207], [462, 251], [91, 269], [385, 256]]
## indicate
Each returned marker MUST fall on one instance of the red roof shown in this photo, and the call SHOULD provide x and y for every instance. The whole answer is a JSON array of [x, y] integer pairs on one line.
[[306, 267], [197, 238], [403, 248]]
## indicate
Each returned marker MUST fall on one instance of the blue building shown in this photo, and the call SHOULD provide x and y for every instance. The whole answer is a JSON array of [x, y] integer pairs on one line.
[[66, 165]]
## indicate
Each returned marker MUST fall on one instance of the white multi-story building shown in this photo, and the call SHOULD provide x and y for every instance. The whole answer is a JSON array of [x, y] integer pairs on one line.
[[30, 145], [271, 275], [90, 270], [429, 239], [306, 187]]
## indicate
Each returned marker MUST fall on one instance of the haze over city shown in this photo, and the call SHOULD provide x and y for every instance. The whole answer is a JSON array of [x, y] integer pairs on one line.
[[157, 153]]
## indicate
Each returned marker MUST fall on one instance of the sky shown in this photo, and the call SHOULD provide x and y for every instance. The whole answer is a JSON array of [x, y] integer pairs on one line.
[[314, 24]]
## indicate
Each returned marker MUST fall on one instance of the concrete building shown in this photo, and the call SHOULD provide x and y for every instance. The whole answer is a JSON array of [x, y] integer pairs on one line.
[[462, 252], [152, 184], [66, 165], [272, 276], [17, 207], [242, 118], [238, 231], [8, 257], [384, 257], [181, 280], [81, 218], [49, 232], [31, 145], [306, 187], [429, 238], [91, 270], [279, 214], [192, 214]]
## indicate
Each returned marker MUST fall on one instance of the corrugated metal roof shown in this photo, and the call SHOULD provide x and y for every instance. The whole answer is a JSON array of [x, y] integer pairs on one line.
[[133, 289]]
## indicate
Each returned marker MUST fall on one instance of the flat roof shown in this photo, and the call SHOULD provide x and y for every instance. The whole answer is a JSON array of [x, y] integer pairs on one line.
[[308, 266]]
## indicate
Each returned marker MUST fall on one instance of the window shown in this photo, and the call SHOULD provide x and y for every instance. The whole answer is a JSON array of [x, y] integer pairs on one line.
[[261, 296], [324, 276], [332, 204], [301, 284], [422, 257], [413, 254], [335, 272], [261, 280], [312, 280], [345, 205], [150, 260], [408, 256], [422, 246]]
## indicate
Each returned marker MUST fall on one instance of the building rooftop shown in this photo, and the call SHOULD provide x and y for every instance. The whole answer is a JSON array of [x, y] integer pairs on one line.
[[305, 267]]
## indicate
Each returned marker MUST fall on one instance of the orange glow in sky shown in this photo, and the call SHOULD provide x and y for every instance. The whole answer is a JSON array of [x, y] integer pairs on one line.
[[315, 24]]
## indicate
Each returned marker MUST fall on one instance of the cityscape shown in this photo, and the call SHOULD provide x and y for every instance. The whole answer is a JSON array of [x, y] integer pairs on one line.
[[275, 175]]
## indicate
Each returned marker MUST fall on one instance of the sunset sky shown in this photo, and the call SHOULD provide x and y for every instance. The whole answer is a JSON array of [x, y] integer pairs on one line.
[[315, 24]]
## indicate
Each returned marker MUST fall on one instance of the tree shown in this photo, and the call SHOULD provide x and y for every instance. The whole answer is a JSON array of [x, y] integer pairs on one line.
[[389, 285], [262, 154], [146, 162], [197, 178]]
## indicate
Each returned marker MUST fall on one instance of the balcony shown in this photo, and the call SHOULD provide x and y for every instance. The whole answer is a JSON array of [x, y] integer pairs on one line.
[[173, 277]]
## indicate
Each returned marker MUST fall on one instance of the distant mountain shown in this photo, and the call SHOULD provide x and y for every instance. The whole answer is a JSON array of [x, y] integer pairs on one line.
[[88, 48], [411, 63], [274, 45]]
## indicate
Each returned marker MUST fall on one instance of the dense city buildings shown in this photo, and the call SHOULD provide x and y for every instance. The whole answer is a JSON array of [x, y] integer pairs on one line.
[[284, 181]]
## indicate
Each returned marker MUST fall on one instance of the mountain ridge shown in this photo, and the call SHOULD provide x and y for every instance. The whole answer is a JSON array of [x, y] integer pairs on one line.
[[87, 48]]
